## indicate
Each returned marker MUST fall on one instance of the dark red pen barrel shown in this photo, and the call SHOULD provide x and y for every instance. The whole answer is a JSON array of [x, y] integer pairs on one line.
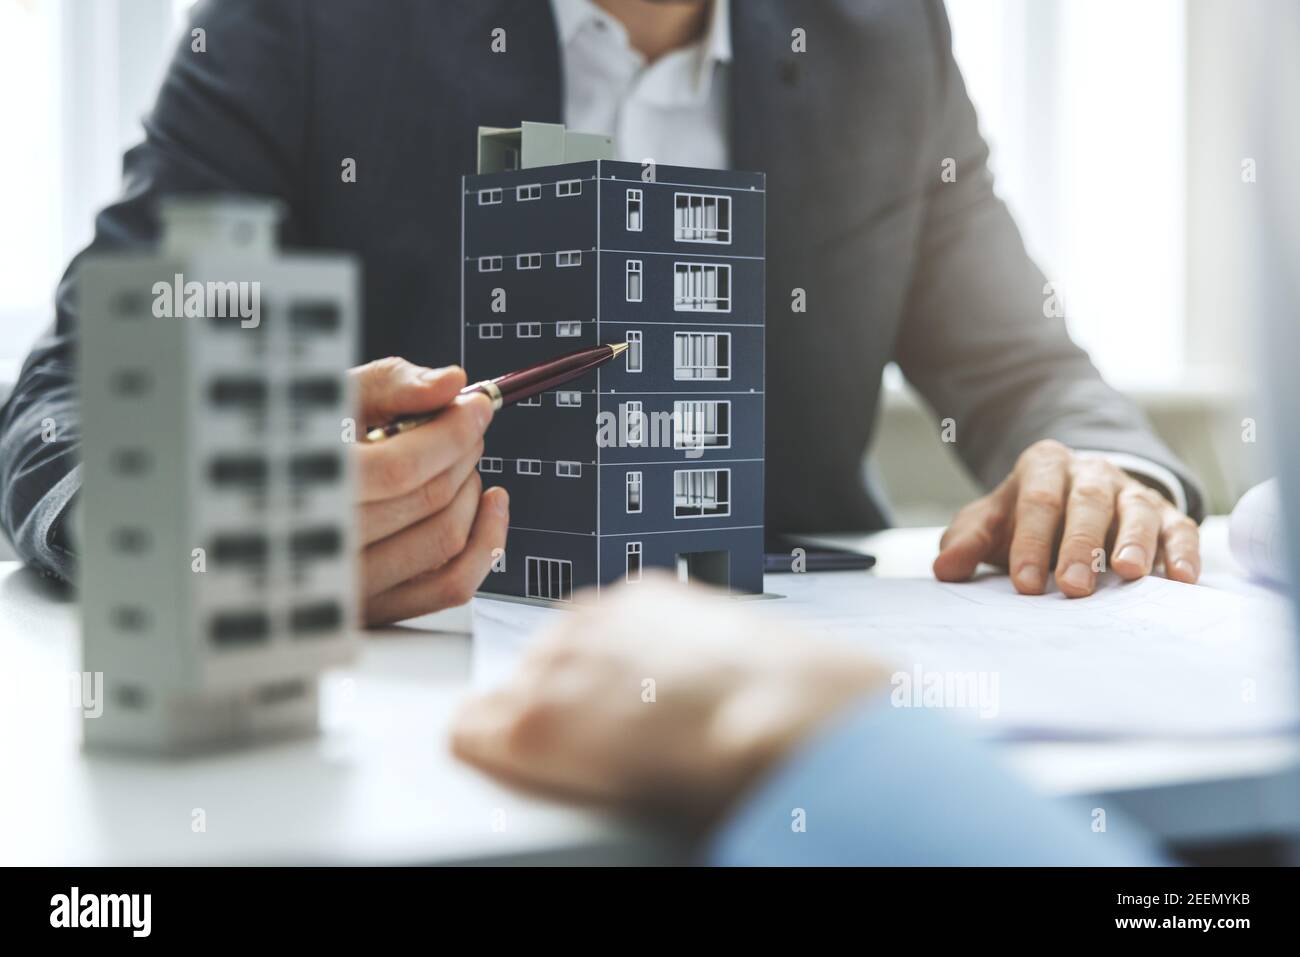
[[526, 383]]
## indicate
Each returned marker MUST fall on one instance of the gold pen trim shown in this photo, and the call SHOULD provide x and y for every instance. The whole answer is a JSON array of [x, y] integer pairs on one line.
[[493, 392]]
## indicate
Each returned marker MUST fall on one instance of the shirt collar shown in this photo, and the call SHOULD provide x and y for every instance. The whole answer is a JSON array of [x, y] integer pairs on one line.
[[572, 15]]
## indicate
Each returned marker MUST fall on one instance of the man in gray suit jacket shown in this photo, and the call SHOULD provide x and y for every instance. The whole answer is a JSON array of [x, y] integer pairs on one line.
[[882, 221]]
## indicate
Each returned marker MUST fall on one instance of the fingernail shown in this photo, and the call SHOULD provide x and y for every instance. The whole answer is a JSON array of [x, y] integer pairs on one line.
[[431, 375], [1133, 555], [503, 502], [1030, 576], [1185, 568], [1078, 576]]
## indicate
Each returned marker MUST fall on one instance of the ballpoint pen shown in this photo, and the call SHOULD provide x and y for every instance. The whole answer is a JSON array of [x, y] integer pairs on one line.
[[513, 386]]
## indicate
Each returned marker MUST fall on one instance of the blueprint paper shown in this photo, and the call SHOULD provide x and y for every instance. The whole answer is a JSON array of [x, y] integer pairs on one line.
[[1152, 658]]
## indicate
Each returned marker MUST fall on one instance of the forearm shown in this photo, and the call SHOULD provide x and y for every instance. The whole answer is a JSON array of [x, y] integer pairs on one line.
[[39, 464]]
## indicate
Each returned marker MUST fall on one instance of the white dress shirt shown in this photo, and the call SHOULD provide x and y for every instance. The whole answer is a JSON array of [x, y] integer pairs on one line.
[[674, 111]]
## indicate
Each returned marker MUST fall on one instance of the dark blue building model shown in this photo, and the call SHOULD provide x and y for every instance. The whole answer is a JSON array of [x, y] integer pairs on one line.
[[656, 459]]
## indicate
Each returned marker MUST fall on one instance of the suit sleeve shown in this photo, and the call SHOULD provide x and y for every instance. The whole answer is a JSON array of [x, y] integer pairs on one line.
[[975, 340], [893, 786], [229, 118]]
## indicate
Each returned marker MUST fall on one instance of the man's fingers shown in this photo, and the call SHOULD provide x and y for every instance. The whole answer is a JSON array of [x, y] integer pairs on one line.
[[402, 463], [456, 581], [1138, 536], [975, 535], [424, 546], [1089, 512], [392, 387], [1180, 540], [381, 519], [1040, 501]]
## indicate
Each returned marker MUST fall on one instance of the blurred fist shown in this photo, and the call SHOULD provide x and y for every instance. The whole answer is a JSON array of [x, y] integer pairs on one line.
[[664, 696]]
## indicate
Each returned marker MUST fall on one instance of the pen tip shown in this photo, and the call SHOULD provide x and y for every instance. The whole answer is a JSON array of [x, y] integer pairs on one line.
[[619, 348]]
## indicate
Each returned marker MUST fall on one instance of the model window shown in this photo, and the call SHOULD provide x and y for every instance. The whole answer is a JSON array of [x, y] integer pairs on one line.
[[525, 193], [702, 424], [490, 463], [568, 187], [634, 280], [548, 578], [633, 424], [569, 257], [533, 400], [489, 197], [633, 493], [701, 219], [633, 353], [490, 330], [634, 210], [701, 287], [568, 469], [701, 355], [529, 466], [528, 261], [568, 398], [529, 330], [490, 263], [568, 330], [701, 493], [634, 561]]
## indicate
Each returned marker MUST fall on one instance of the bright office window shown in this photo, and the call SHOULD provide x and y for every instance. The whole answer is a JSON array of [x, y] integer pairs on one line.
[[1083, 105]]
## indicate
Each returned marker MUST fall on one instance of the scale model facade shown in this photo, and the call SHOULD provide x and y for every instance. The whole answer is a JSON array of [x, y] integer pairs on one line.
[[656, 460]]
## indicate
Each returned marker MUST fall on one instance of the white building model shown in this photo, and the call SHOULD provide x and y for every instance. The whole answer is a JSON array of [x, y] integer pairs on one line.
[[216, 536]]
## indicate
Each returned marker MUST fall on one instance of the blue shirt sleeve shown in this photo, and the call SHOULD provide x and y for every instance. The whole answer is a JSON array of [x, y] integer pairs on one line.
[[906, 786]]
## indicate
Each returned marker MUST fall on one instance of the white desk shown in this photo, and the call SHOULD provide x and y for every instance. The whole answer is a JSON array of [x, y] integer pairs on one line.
[[378, 785]]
